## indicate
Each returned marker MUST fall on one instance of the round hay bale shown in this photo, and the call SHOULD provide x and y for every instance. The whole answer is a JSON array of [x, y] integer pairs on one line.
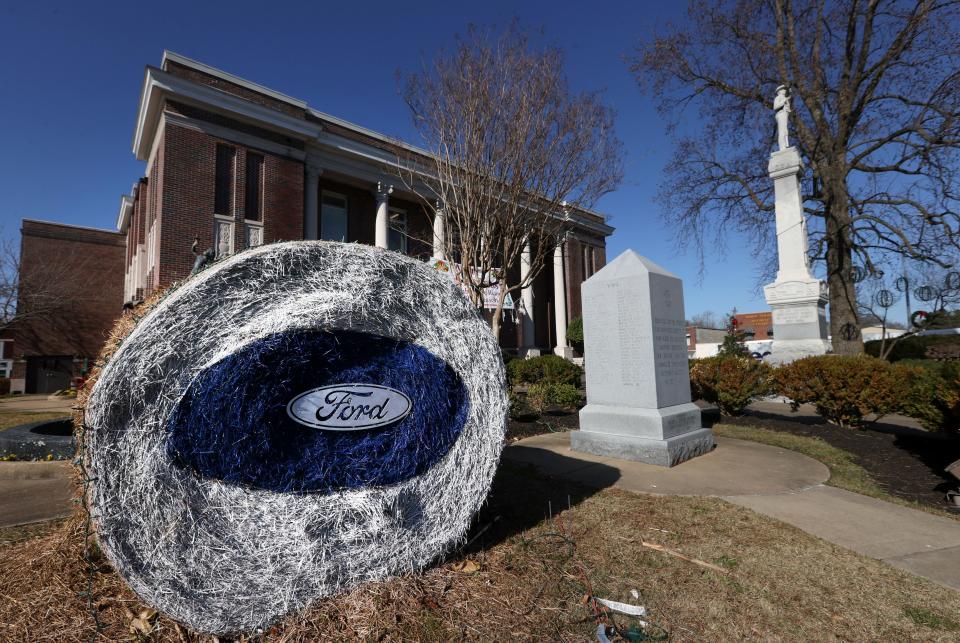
[[293, 421]]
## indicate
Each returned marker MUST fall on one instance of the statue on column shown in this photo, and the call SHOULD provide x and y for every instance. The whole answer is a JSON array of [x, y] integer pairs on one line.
[[781, 110]]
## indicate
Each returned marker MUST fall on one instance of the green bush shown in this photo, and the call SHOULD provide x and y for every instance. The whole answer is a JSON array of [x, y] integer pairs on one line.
[[545, 368], [695, 392], [730, 382], [914, 347], [542, 395], [842, 388], [933, 393], [575, 334]]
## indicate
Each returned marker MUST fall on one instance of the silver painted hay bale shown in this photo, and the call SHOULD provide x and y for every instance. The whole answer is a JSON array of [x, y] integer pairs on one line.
[[224, 557]]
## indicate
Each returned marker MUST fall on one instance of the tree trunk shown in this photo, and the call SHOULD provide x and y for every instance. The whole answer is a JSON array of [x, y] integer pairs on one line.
[[844, 317]]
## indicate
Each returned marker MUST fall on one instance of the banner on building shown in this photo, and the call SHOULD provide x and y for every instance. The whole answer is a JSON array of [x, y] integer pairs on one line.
[[491, 294]]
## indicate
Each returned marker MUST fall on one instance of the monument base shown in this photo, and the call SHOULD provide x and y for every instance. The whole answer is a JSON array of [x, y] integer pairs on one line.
[[664, 453], [665, 436], [785, 351]]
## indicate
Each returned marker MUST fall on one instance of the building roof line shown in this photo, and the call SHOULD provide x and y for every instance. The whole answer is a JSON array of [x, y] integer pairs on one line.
[[71, 225], [166, 82], [227, 76]]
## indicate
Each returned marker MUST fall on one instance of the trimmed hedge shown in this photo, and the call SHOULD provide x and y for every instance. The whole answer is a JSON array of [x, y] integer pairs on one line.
[[914, 347], [544, 394], [731, 382], [551, 369], [933, 393], [842, 388], [575, 334]]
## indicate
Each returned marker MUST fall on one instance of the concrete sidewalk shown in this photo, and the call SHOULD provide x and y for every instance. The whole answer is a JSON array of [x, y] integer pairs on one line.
[[778, 483], [34, 491], [37, 404]]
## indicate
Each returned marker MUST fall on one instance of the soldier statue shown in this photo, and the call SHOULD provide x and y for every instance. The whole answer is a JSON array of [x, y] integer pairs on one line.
[[781, 110]]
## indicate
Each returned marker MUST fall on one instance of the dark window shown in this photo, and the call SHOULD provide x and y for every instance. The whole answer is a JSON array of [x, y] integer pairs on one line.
[[223, 196], [333, 217], [254, 185]]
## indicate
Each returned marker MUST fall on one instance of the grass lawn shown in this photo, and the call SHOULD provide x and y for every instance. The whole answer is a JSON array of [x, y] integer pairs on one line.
[[525, 578], [9, 419], [845, 473]]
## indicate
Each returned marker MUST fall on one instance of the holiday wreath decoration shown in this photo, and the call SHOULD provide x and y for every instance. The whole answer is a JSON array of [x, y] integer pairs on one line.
[[291, 422]]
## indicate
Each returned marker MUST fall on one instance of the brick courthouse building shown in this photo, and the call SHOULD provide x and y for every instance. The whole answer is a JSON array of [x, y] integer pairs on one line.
[[232, 164]]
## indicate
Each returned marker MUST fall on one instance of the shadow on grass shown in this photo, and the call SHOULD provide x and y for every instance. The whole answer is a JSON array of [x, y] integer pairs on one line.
[[522, 496]]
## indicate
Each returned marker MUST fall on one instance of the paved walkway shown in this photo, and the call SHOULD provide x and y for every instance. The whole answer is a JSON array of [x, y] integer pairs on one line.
[[778, 483], [34, 491], [37, 403]]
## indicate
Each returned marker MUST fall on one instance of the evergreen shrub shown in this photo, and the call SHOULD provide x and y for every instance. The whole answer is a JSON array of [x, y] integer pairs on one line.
[[729, 381]]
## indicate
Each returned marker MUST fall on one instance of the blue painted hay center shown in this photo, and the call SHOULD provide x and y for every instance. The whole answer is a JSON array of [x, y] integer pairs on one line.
[[319, 411]]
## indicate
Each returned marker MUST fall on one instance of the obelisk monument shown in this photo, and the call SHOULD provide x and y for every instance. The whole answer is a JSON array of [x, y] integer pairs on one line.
[[798, 299], [638, 380]]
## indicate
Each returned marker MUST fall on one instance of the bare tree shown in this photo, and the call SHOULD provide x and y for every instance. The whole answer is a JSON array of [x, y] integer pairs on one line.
[[876, 116], [514, 154], [705, 319], [877, 297], [9, 282], [934, 287]]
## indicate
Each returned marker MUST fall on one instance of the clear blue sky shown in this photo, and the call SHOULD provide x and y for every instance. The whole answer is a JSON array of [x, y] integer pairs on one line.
[[72, 71]]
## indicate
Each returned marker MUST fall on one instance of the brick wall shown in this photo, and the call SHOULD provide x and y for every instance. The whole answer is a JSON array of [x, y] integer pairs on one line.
[[79, 270], [186, 198], [582, 259], [757, 323]]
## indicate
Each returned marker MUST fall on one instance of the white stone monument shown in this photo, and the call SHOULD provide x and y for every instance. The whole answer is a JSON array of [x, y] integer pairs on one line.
[[798, 299], [638, 383]]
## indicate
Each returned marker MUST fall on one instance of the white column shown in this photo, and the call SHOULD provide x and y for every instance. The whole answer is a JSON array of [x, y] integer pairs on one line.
[[382, 231], [311, 215], [439, 232], [526, 301], [560, 304], [785, 167]]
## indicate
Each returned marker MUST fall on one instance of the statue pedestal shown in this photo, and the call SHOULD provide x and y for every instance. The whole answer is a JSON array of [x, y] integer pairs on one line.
[[799, 319], [798, 300]]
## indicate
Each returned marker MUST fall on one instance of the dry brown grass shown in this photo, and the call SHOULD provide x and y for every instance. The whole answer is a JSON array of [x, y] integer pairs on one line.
[[782, 584]]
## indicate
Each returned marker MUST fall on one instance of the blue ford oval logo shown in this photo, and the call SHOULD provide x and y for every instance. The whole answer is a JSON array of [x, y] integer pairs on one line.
[[380, 410], [349, 407]]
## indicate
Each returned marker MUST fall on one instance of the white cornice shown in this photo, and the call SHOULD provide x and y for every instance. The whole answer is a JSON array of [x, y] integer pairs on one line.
[[227, 76], [123, 217], [159, 84]]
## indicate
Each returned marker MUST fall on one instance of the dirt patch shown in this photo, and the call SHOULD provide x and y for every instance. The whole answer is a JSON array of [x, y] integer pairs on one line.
[[529, 425], [906, 463], [525, 573]]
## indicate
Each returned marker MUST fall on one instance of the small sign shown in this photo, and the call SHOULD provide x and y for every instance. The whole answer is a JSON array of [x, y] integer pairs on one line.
[[349, 407], [491, 294]]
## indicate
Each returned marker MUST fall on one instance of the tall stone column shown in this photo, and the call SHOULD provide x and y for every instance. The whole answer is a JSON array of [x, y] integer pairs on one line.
[[382, 231], [560, 304], [528, 347], [439, 233], [311, 214], [798, 299]]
